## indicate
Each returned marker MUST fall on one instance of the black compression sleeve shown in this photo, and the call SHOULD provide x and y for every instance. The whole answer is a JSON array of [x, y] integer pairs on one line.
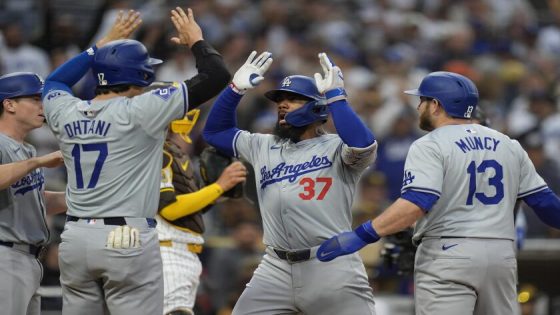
[[212, 75]]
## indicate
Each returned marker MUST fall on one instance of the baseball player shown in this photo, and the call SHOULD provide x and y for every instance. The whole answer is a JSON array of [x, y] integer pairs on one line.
[[306, 183], [180, 225], [23, 199], [112, 146], [461, 183]]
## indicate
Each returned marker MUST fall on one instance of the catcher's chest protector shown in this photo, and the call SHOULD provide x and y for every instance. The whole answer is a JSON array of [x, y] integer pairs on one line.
[[178, 173]]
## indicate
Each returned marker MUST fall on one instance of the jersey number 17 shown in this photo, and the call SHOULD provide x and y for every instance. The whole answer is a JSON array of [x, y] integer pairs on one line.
[[76, 154]]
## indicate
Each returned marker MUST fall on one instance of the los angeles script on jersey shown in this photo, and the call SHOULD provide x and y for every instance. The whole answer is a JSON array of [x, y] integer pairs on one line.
[[31, 181], [285, 171], [86, 126]]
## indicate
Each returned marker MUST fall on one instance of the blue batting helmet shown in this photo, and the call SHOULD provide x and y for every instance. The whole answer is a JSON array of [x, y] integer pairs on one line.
[[314, 110], [124, 61], [20, 84], [457, 94]]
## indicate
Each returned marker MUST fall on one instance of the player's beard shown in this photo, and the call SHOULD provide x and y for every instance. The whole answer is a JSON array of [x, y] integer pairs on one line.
[[425, 120], [289, 132]]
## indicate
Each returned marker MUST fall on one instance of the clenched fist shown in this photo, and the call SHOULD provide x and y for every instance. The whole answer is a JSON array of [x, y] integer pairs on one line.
[[50, 160]]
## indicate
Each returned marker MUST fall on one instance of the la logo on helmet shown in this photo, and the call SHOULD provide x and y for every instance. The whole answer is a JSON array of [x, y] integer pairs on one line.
[[286, 82]]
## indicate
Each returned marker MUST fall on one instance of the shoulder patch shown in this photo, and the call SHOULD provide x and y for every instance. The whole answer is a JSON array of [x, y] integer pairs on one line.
[[53, 95], [165, 93]]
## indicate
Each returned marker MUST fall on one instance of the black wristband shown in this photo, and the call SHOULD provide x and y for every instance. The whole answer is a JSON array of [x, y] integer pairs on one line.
[[203, 48]]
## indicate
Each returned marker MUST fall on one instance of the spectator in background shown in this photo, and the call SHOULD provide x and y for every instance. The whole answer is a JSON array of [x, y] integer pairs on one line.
[[17, 55], [393, 150], [532, 142], [181, 65], [543, 106], [226, 274]]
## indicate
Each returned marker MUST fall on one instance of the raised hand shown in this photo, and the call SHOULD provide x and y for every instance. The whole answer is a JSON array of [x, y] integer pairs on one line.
[[122, 28], [232, 175], [332, 82], [188, 30], [250, 74]]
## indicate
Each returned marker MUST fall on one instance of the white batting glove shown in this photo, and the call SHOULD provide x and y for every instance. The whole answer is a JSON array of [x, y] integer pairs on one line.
[[332, 84], [250, 74], [123, 237]]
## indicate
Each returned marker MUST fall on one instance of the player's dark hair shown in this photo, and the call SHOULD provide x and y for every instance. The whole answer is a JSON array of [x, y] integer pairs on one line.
[[99, 90], [426, 99]]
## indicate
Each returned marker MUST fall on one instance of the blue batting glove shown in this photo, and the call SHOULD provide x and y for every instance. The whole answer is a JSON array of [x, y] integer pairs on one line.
[[340, 245], [347, 242]]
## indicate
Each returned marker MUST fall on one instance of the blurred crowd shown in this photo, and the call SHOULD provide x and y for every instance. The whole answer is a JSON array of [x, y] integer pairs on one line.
[[509, 48]]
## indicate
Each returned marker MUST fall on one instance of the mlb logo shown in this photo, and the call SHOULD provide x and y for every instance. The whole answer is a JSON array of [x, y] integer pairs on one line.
[[89, 113], [286, 82], [91, 221]]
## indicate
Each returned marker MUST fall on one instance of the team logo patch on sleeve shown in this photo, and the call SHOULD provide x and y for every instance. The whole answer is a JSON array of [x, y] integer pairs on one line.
[[408, 178], [165, 93]]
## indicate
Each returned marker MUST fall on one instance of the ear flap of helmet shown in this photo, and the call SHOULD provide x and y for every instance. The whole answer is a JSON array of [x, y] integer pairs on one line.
[[183, 127], [309, 113]]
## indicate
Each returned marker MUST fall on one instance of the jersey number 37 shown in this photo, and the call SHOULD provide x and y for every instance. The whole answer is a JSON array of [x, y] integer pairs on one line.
[[309, 187]]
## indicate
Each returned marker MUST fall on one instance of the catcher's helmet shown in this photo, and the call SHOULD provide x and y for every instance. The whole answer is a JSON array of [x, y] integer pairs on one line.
[[20, 84], [124, 61], [314, 110], [456, 93], [183, 126]]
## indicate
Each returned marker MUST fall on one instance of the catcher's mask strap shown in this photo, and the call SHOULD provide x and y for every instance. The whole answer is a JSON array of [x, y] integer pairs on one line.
[[183, 127]]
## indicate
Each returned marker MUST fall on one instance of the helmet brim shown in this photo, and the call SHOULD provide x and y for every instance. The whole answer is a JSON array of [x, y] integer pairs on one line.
[[154, 61], [413, 92], [274, 95]]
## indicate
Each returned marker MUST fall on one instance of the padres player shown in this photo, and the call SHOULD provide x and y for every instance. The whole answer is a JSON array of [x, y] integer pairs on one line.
[[180, 225], [112, 147], [461, 183], [306, 183], [23, 199]]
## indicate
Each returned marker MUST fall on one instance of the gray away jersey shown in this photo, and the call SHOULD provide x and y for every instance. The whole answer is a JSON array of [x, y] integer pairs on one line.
[[22, 208], [478, 174], [113, 149], [305, 189]]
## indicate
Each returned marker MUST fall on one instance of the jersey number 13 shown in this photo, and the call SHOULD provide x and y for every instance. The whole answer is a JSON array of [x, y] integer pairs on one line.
[[495, 181]]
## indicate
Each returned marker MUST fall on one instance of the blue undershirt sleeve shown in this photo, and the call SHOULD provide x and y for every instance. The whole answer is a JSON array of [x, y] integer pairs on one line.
[[423, 200], [70, 72], [546, 205], [349, 126], [221, 125]]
